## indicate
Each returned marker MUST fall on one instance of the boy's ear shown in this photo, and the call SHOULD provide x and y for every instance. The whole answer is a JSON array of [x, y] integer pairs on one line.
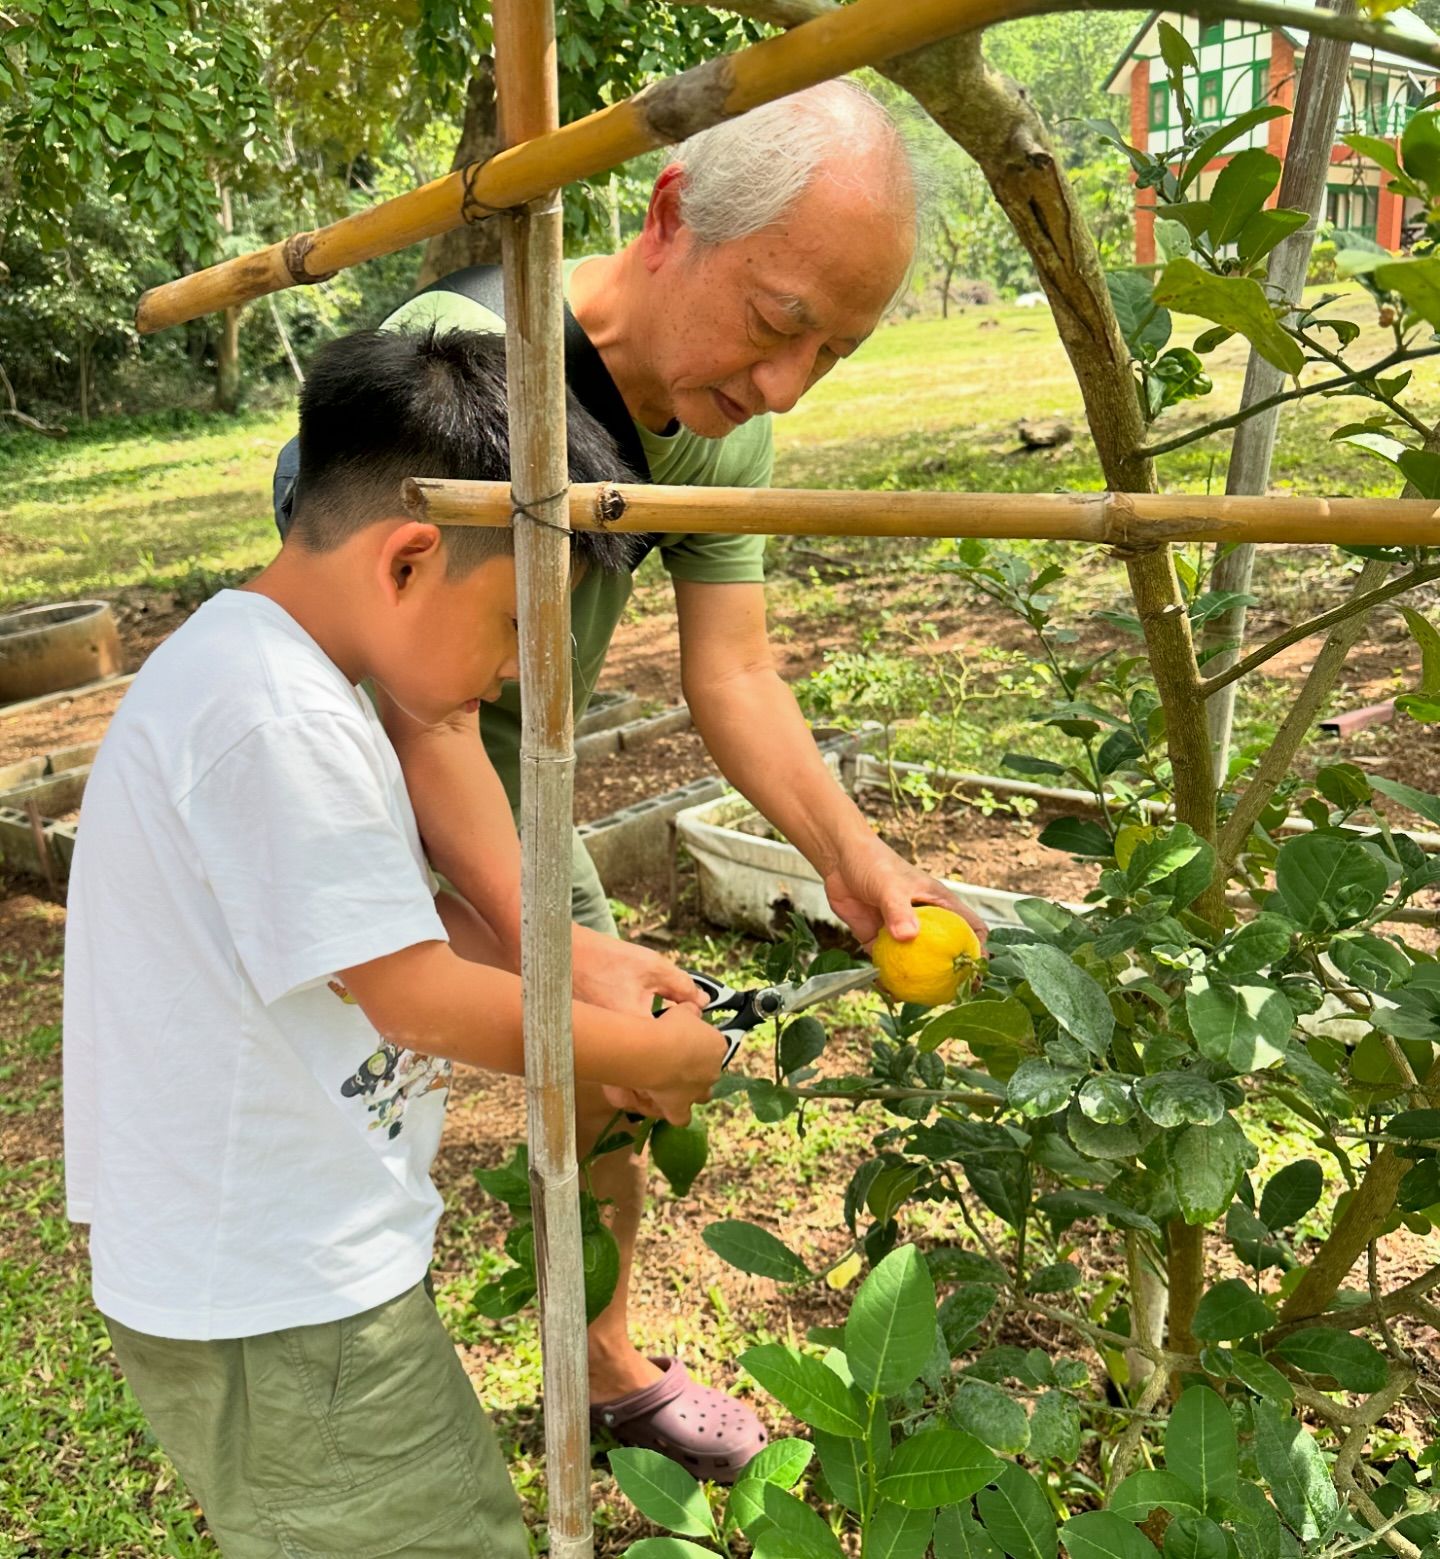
[[412, 548]]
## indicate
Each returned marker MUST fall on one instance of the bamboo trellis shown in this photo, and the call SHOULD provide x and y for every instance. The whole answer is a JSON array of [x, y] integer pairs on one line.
[[861, 33], [527, 97], [538, 158], [1129, 521]]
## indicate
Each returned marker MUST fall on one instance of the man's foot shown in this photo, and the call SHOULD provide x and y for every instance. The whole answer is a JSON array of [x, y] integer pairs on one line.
[[711, 1435]]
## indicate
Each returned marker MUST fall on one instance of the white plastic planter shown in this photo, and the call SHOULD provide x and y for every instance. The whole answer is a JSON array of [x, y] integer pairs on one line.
[[751, 883]]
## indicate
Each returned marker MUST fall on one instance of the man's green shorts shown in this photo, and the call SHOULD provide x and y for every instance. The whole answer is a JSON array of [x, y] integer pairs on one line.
[[350, 1440]]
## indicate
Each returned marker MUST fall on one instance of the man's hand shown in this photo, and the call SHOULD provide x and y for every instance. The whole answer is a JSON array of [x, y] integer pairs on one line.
[[625, 978], [870, 887]]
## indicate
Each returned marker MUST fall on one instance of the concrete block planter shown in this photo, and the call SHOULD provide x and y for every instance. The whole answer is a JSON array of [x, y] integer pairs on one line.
[[45, 648]]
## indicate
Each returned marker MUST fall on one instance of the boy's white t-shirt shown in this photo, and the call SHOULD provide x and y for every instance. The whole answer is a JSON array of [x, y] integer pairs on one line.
[[247, 1152]]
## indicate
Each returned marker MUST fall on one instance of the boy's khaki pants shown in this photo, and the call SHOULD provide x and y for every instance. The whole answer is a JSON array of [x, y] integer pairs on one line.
[[350, 1440]]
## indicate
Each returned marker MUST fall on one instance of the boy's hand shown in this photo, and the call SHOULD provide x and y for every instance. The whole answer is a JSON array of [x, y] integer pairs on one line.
[[625, 978], [688, 1053]]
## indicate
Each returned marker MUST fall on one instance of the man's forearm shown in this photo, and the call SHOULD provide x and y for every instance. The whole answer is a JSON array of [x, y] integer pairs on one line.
[[759, 739]]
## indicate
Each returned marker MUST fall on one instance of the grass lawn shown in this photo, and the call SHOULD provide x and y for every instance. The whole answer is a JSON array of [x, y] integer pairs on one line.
[[925, 404]]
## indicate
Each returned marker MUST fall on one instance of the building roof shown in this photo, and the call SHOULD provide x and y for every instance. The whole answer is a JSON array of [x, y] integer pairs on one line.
[[1406, 23]]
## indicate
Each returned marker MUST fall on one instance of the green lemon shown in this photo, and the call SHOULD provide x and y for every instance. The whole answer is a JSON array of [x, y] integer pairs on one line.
[[680, 1151], [601, 1255]]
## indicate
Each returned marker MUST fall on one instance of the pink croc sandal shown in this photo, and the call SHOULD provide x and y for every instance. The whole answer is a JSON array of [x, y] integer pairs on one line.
[[711, 1435]]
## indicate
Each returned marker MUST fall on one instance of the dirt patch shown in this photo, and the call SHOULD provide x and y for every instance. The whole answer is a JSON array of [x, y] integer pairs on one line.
[[603, 785]]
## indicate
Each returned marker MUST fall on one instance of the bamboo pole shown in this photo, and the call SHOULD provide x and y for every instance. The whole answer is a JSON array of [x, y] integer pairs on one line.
[[843, 40], [1132, 522], [528, 105]]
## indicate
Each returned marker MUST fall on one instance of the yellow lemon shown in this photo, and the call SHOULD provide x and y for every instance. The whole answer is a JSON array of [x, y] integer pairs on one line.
[[932, 967], [1128, 838]]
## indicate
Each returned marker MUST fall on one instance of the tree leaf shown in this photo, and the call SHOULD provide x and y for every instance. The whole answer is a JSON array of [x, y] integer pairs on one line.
[[1292, 1466], [1179, 1099], [1201, 1446], [1019, 1517], [667, 1548], [1206, 1167], [1063, 1208], [1416, 1125], [958, 1535], [1418, 801], [1290, 1193], [1241, 188], [1054, 1429], [1329, 880], [891, 1326], [1417, 282], [991, 1414], [1232, 130], [937, 1467], [1144, 326], [662, 1491], [1005, 1022], [1193, 1536], [814, 1394], [1262, 1378], [1266, 229], [754, 1250], [781, 1463], [1353, 1363], [1140, 1493], [803, 1532], [897, 1533], [1244, 1027], [1229, 1310], [1072, 997], [1100, 1535], [1076, 836], [1256, 945], [1038, 1088], [1427, 636], [1236, 302]]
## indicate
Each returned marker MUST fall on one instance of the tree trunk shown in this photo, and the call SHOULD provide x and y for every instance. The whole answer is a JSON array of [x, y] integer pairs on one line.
[[474, 243], [1302, 187]]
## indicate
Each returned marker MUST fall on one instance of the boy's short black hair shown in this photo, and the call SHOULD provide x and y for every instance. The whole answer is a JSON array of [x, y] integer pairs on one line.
[[381, 405]]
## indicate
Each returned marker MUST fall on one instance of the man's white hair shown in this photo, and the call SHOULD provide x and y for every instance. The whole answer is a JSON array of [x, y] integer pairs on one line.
[[744, 174]]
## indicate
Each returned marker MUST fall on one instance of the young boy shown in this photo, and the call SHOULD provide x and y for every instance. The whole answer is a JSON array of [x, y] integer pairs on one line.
[[264, 994]]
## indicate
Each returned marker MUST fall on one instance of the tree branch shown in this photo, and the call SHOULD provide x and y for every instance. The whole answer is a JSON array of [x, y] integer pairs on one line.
[[1281, 398], [1336, 614]]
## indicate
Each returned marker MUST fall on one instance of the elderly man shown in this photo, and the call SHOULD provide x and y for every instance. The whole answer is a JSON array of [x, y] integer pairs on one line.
[[772, 246]]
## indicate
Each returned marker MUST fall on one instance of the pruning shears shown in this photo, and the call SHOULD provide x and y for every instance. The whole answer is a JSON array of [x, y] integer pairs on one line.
[[753, 1007]]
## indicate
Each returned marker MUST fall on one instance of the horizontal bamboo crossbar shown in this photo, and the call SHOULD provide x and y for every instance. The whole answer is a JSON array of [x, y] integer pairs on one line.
[[1129, 520], [858, 34]]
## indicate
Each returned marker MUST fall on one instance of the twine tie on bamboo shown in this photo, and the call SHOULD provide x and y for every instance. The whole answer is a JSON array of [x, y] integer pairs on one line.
[[519, 510]]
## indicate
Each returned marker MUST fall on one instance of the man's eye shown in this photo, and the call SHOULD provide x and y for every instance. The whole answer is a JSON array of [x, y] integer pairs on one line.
[[765, 328]]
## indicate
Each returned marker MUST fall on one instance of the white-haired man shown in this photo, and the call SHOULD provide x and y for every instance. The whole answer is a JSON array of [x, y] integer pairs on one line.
[[771, 248]]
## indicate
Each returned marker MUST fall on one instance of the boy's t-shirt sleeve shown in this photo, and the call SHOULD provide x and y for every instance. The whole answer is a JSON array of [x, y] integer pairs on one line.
[[297, 834]]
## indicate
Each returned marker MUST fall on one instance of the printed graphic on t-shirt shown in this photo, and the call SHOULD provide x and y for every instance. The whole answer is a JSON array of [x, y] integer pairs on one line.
[[391, 1077]]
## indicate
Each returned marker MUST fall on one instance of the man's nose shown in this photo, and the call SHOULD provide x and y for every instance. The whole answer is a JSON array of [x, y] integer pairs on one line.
[[785, 377]]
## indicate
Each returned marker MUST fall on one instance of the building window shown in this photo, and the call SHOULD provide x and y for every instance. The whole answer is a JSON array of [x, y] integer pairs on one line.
[[1353, 209], [1212, 32], [1259, 84], [1160, 106], [1210, 94]]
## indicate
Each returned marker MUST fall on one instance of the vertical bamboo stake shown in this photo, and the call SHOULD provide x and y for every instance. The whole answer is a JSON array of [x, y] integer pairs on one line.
[[535, 370], [1302, 187]]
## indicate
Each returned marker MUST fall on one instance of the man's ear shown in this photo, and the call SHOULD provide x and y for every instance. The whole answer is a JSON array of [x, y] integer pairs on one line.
[[412, 551], [664, 229]]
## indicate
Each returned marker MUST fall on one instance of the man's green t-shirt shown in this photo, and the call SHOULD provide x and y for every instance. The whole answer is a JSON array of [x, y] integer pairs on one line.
[[743, 459]]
